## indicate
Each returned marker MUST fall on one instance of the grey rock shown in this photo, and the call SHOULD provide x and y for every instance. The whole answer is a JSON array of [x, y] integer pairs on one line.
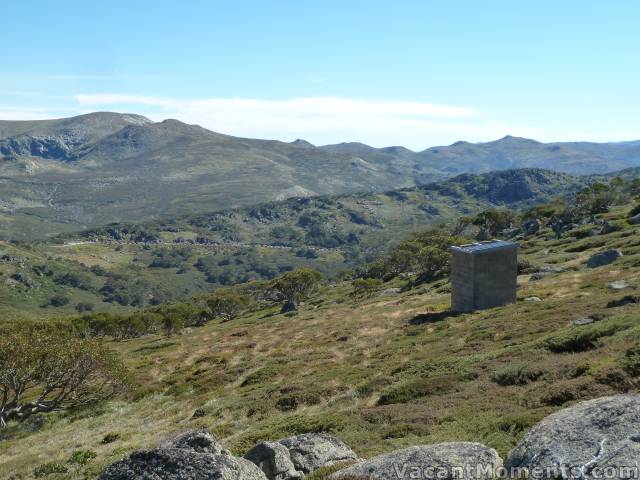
[[200, 441], [537, 276], [590, 436], [443, 460], [583, 321], [274, 460], [551, 269], [603, 258], [533, 299], [181, 464], [618, 285], [511, 232], [390, 291], [635, 220], [607, 228], [531, 227], [312, 451]]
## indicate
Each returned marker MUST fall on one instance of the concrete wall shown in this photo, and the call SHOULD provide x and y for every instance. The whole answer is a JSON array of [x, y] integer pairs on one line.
[[484, 278]]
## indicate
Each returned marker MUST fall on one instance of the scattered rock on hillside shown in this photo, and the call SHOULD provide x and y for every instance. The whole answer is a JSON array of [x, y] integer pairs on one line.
[[596, 317], [390, 292], [510, 232], [551, 269], [626, 300], [607, 228], [635, 220], [200, 441], [274, 460], [584, 439], [181, 464], [533, 299], [537, 276], [443, 460], [603, 258], [583, 321], [531, 227], [618, 285], [312, 451]]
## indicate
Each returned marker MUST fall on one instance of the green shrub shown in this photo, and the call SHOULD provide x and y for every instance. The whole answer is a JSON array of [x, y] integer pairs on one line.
[[583, 232], [226, 304], [260, 376], [81, 457], [110, 438], [516, 424], [365, 287], [59, 301], [525, 266], [583, 339], [47, 469], [417, 388], [516, 375], [631, 361]]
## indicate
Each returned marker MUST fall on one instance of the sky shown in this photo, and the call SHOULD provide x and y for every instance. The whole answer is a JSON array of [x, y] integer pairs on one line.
[[412, 73]]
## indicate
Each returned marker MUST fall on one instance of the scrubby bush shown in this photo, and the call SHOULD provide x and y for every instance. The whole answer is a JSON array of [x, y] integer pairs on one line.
[[491, 222], [84, 307], [82, 457], [296, 285], [582, 339], [631, 361], [75, 280], [365, 287], [418, 388], [59, 300], [516, 375], [47, 469], [172, 324], [226, 304], [45, 369], [425, 254]]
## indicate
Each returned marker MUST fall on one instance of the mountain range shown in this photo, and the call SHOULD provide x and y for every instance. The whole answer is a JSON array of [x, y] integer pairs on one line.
[[88, 170]]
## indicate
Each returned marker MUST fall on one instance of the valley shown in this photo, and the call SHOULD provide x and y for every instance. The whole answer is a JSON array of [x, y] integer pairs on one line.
[[81, 172]]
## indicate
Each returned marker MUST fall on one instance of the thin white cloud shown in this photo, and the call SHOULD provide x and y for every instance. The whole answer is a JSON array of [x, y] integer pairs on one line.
[[300, 107], [320, 120]]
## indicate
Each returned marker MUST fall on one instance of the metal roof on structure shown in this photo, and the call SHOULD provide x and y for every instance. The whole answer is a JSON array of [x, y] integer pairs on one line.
[[485, 246]]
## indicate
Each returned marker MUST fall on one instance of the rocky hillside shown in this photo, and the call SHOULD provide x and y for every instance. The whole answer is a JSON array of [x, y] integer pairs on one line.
[[384, 370], [592, 438], [61, 175]]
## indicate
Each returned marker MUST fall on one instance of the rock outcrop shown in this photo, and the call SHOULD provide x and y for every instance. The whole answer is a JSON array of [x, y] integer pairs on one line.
[[190, 456], [274, 460], [603, 258], [581, 441], [200, 441], [291, 458], [460, 460]]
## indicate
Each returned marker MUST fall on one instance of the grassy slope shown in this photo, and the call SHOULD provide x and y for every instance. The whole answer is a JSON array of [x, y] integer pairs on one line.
[[265, 376]]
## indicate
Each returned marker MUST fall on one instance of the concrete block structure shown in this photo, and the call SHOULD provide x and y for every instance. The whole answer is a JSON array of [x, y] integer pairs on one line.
[[483, 275]]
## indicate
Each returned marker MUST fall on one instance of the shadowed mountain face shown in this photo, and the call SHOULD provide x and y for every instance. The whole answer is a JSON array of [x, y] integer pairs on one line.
[[106, 167]]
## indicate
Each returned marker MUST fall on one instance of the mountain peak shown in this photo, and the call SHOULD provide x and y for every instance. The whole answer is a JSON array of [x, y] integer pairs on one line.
[[302, 143], [512, 139]]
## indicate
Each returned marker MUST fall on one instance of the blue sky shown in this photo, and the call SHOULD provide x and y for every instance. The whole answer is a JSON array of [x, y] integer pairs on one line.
[[416, 73]]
